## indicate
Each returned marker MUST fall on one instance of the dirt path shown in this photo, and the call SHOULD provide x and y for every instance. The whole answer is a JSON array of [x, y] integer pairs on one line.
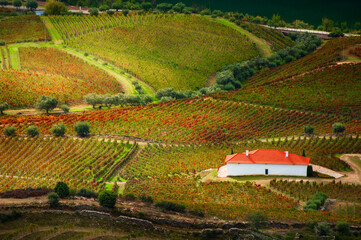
[[355, 175]]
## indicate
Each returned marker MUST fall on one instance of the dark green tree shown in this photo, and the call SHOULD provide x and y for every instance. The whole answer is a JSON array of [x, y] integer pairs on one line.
[[62, 189], [107, 198], [17, 3], [3, 3], [117, 6], [32, 4], [3, 107], [338, 127], [308, 129], [94, 11], [146, 6], [53, 7]]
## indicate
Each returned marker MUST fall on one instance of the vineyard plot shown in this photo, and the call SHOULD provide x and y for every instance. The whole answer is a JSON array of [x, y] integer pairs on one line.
[[44, 161]]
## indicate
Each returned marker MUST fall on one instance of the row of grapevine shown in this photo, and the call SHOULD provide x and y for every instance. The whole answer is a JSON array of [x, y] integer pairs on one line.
[[276, 39], [304, 190], [44, 161], [22, 28], [226, 200], [191, 121], [332, 90], [77, 26]]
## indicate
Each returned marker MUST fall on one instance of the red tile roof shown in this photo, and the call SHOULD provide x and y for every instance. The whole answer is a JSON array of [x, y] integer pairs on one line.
[[267, 157]]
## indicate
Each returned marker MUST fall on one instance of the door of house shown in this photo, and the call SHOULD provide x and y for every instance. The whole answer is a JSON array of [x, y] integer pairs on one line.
[[266, 172]]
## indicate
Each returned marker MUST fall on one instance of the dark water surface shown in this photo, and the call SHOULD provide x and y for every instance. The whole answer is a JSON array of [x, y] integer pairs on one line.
[[311, 11]]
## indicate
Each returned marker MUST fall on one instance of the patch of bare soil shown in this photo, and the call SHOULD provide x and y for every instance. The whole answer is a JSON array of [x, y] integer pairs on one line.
[[355, 175]]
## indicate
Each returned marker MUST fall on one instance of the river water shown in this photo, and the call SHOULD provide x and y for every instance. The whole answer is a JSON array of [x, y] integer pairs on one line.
[[311, 11]]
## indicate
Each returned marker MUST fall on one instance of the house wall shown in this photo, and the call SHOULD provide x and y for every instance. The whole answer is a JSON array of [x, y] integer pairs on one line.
[[238, 169]]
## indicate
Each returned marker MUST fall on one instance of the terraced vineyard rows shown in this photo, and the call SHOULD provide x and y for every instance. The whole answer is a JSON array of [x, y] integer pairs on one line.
[[158, 161], [53, 72], [42, 162], [277, 40], [22, 28], [192, 121], [77, 26], [225, 200], [305, 190], [180, 51], [334, 90], [327, 55]]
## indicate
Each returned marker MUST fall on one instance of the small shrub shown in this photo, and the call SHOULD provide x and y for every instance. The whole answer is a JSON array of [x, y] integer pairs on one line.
[[94, 11], [87, 193], [308, 129], [65, 108], [32, 131], [58, 130], [82, 129], [62, 189], [338, 127], [323, 229], [145, 198], [3, 106], [53, 199], [9, 131], [2, 43], [86, 54], [129, 197], [107, 198], [141, 214], [257, 220], [170, 206], [343, 228]]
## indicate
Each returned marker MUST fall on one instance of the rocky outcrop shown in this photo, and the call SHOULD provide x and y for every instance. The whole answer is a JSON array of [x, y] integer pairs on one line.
[[135, 221], [95, 214]]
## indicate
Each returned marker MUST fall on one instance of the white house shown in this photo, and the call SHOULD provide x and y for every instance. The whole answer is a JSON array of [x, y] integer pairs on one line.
[[266, 162]]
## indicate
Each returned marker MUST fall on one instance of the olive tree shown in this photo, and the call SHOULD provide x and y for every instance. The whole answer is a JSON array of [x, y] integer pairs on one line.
[[58, 130], [309, 129], [32, 131], [53, 7], [3, 3], [93, 99], [46, 103]]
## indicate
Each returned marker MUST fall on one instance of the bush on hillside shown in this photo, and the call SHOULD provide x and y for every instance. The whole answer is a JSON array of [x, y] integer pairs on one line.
[[107, 198], [58, 130], [87, 193], [338, 127], [317, 201], [9, 131], [257, 219], [62, 189], [82, 129], [3, 107], [170, 206], [65, 108], [308, 129], [94, 12], [53, 199], [32, 131], [323, 229], [343, 228]]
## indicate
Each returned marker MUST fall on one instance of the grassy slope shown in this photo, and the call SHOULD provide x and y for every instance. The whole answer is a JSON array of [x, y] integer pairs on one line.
[[14, 58], [178, 52]]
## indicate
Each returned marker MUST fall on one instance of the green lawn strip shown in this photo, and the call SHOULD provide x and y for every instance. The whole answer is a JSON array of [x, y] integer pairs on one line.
[[14, 57], [263, 48], [4, 53], [55, 36]]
